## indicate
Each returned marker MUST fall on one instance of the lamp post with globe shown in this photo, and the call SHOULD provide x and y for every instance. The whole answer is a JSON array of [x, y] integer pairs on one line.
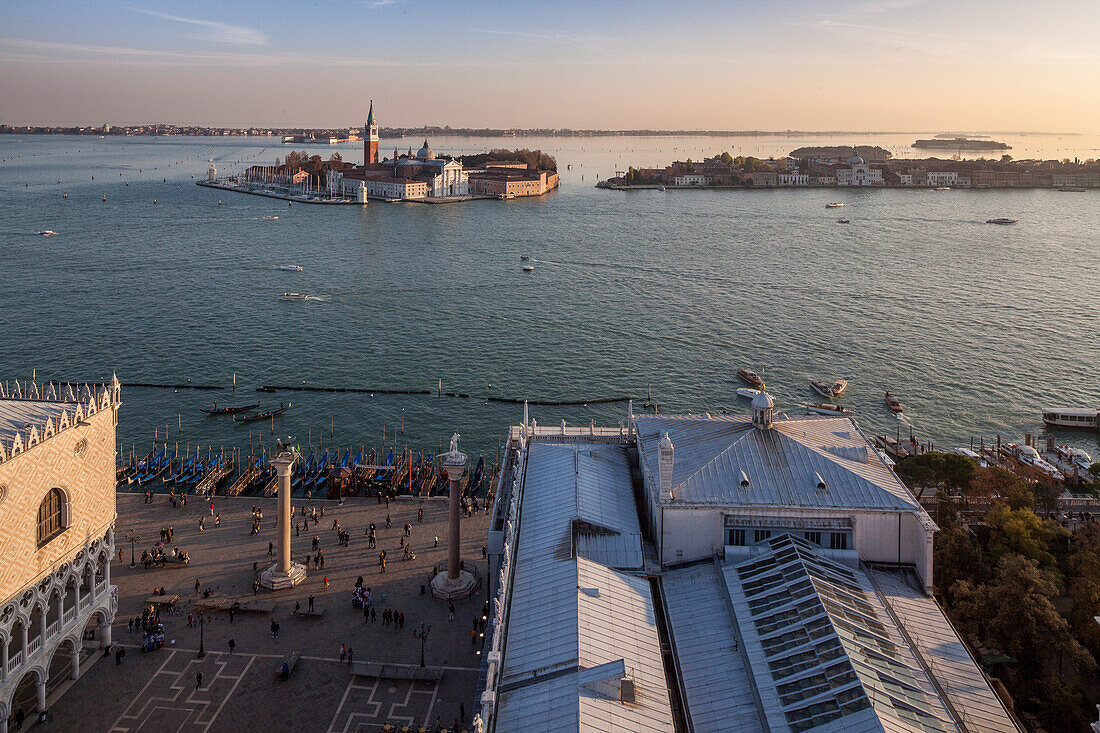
[[422, 634]]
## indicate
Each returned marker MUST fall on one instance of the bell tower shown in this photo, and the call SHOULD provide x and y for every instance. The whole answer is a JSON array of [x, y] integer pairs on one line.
[[370, 138]]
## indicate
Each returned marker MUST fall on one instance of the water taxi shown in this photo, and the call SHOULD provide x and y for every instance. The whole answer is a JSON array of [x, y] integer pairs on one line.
[[1030, 457], [294, 296], [47, 233], [528, 268], [843, 221], [1072, 417], [833, 205], [747, 392], [752, 378], [291, 268], [826, 408], [942, 188], [893, 403]]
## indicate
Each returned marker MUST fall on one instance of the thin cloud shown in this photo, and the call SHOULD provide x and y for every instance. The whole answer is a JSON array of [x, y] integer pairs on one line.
[[888, 6], [375, 4], [550, 37], [215, 31]]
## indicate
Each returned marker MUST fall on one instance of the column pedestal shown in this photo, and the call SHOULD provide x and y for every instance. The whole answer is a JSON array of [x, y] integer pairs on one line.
[[284, 573], [454, 583]]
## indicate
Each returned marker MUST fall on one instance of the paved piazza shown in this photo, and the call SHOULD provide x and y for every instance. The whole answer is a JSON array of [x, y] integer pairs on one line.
[[156, 691]]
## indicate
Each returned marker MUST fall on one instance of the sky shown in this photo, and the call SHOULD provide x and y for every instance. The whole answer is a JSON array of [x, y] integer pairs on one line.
[[886, 65]]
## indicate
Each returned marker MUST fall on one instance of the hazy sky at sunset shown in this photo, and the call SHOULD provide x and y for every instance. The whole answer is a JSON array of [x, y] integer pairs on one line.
[[864, 64]]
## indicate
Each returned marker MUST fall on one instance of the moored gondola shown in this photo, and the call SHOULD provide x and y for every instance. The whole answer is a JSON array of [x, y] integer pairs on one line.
[[260, 415], [231, 410]]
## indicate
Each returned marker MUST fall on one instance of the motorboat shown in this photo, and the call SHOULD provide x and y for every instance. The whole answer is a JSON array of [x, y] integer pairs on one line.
[[822, 389], [1002, 220], [747, 392], [1076, 457], [826, 408], [1071, 417], [291, 268], [525, 258], [1071, 189], [752, 378], [839, 386], [1030, 456], [47, 233], [893, 403], [269, 218], [833, 205], [660, 188], [294, 296], [843, 221], [942, 188], [506, 196], [528, 268]]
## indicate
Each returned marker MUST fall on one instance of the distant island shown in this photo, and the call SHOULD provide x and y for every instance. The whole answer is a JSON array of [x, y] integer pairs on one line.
[[867, 152], [961, 143], [845, 166]]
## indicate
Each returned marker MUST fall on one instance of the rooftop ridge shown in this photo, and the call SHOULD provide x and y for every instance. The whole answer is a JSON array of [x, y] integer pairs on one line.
[[22, 427]]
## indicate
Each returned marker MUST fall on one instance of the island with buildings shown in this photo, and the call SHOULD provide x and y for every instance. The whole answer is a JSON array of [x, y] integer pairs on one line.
[[808, 169], [961, 143], [421, 176]]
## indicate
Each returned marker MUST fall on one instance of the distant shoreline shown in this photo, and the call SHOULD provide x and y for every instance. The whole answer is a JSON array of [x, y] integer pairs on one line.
[[433, 131]]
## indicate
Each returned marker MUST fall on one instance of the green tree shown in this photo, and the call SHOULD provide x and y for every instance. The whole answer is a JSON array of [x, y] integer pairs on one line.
[[726, 158], [1021, 531], [1015, 613], [956, 557]]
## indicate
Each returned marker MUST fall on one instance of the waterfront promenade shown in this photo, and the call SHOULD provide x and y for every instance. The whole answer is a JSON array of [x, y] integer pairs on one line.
[[157, 690]]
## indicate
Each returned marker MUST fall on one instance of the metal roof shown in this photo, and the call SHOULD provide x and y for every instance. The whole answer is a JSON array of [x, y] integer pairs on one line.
[[944, 654], [823, 649], [785, 465], [568, 613], [17, 415], [717, 687]]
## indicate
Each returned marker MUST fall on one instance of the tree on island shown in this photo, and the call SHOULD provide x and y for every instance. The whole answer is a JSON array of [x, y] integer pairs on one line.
[[536, 160]]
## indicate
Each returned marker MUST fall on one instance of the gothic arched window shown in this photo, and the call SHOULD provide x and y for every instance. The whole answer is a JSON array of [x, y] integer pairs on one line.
[[51, 516]]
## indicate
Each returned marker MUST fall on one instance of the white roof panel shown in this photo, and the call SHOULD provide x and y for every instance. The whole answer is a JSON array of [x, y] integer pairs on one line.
[[717, 687]]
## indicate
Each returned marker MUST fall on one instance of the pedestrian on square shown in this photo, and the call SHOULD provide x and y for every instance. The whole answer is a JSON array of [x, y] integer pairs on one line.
[[402, 620], [420, 514], [389, 522], [190, 621], [202, 524], [436, 541], [256, 586], [311, 604], [366, 614], [270, 549], [373, 615], [232, 646], [326, 582], [211, 508], [197, 586], [462, 711], [450, 611], [277, 627], [343, 653], [297, 530], [351, 655], [198, 680], [408, 529], [322, 563], [473, 638], [218, 519], [273, 628]]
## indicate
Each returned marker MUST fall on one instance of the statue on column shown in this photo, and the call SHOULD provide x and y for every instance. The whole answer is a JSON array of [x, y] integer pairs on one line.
[[454, 443]]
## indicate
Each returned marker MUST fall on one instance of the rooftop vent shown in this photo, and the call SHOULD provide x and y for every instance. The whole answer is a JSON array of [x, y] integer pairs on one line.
[[821, 485], [626, 690], [744, 480]]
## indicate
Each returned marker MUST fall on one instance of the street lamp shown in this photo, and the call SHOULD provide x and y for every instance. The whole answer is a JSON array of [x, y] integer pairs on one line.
[[202, 645], [422, 634], [133, 541]]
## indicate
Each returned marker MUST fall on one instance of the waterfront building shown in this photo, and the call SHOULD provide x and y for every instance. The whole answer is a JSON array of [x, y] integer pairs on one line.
[[57, 510], [512, 181], [942, 178], [765, 178], [690, 179], [794, 178], [858, 173], [708, 573]]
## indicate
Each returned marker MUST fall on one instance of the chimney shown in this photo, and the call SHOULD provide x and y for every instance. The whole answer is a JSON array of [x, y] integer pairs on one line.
[[665, 453]]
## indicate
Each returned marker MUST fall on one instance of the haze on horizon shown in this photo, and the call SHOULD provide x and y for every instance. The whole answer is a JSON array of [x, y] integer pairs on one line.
[[846, 65]]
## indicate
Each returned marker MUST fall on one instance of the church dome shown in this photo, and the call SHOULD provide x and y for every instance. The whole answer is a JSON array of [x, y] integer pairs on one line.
[[855, 159], [763, 401], [425, 153]]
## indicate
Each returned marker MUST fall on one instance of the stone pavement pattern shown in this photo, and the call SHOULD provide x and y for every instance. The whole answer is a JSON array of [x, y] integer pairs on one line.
[[156, 691]]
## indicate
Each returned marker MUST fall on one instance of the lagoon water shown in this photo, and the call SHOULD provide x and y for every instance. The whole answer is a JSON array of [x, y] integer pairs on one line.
[[975, 327]]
